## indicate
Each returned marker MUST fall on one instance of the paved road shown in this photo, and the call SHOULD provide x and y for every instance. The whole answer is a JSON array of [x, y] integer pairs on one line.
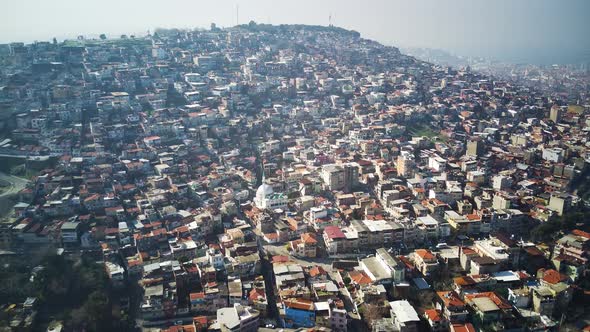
[[24, 156], [16, 184]]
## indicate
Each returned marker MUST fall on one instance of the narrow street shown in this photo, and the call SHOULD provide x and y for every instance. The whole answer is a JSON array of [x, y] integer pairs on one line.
[[267, 273]]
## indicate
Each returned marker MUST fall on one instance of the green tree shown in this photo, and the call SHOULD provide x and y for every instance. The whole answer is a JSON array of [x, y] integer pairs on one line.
[[93, 315], [346, 280], [183, 259]]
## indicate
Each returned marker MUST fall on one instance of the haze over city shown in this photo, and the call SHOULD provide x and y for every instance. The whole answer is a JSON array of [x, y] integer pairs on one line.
[[526, 31]]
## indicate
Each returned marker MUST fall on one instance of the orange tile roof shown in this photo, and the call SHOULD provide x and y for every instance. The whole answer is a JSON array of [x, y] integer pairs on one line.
[[468, 251], [256, 294], [316, 271], [271, 236], [450, 299], [500, 302], [553, 277], [159, 231], [181, 328], [464, 281], [280, 259], [359, 277], [200, 320], [581, 233], [407, 262], [425, 254], [434, 315], [300, 304], [308, 238], [468, 327]]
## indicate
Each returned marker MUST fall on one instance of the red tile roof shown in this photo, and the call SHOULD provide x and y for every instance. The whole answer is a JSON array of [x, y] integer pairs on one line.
[[308, 238], [271, 236], [360, 277], [468, 251], [581, 233], [334, 232], [280, 259], [300, 304], [464, 281], [316, 271], [200, 321], [196, 296], [433, 314], [425, 254], [553, 277], [450, 299], [407, 262], [256, 294], [181, 328], [468, 327]]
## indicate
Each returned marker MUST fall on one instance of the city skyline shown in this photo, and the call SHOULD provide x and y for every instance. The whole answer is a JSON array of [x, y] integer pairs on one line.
[[539, 32]]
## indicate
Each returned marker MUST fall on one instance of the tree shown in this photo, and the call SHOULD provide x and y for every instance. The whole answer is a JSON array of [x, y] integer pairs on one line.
[[76, 289], [346, 280], [15, 285], [93, 315], [102, 36], [183, 259], [545, 230], [372, 312]]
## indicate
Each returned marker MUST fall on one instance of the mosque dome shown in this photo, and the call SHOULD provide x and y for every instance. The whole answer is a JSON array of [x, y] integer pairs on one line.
[[264, 190]]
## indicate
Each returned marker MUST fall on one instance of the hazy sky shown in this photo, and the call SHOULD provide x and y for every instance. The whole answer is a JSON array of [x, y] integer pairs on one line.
[[523, 30]]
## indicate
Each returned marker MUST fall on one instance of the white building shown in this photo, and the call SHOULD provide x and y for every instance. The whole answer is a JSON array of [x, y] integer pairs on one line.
[[432, 228], [404, 316], [238, 318], [555, 155], [266, 198], [437, 163], [501, 182]]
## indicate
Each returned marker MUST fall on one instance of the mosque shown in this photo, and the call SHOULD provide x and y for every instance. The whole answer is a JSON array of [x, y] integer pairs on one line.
[[266, 198]]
